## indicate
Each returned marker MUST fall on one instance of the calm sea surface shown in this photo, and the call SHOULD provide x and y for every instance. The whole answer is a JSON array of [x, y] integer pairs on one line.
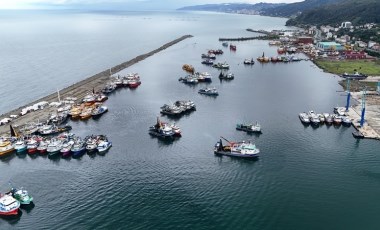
[[305, 178]]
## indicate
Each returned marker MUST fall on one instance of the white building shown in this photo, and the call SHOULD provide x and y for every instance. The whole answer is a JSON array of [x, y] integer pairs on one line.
[[371, 43], [346, 25]]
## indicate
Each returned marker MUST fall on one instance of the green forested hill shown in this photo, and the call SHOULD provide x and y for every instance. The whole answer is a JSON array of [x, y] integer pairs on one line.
[[355, 11]]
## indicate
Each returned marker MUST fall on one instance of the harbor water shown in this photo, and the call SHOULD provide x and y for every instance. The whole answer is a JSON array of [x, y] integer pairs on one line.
[[305, 178]]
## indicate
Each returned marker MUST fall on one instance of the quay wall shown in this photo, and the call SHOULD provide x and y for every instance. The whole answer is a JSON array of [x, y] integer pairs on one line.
[[81, 88]]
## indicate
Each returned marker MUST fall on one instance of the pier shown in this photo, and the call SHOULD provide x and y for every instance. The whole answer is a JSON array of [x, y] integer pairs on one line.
[[79, 89]]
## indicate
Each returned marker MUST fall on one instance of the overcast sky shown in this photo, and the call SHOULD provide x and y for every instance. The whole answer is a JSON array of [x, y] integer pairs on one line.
[[119, 4]]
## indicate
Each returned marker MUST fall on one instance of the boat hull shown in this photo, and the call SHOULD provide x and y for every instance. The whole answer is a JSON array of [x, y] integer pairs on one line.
[[78, 153], [6, 152], [10, 213], [238, 155], [248, 130]]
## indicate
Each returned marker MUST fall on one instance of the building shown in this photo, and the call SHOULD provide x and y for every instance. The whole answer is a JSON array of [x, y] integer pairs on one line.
[[346, 25], [329, 46], [305, 40], [349, 54], [326, 29], [371, 43], [361, 44]]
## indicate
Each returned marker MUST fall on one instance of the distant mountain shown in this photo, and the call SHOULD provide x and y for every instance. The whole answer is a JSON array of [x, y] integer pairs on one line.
[[233, 7], [355, 11]]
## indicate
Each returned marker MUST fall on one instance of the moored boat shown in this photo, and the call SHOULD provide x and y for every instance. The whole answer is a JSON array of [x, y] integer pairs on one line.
[[208, 62], [20, 146], [304, 118], [357, 134], [32, 146], [337, 120], [6, 147], [249, 61], [162, 130], [209, 91], [104, 146], [346, 121], [54, 147], [228, 76], [220, 65], [66, 148], [314, 119], [22, 196], [99, 111], [237, 149], [249, 128], [8, 205], [78, 148], [42, 147]]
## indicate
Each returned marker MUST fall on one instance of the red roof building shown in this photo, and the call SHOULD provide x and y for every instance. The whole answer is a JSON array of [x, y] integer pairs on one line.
[[349, 54]]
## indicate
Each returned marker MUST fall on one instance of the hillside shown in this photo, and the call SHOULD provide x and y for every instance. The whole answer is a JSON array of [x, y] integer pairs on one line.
[[294, 9], [355, 11], [232, 7]]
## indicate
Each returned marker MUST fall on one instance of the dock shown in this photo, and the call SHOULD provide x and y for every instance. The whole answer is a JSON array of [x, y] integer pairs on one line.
[[79, 89], [371, 127]]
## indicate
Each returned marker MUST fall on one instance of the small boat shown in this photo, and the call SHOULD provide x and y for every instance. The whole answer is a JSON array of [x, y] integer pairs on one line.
[[5, 147], [8, 205], [249, 128], [236, 149], [171, 110], [304, 118], [232, 47], [109, 88], [357, 134], [209, 91], [101, 97], [208, 56], [249, 62], [86, 113], [225, 44], [216, 52], [189, 79], [263, 58], [329, 120], [99, 111], [186, 106], [346, 121], [20, 146], [21, 196], [321, 118], [92, 144], [208, 62], [104, 146], [341, 111], [203, 77], [89, 99], [78, 148], [42, 147]]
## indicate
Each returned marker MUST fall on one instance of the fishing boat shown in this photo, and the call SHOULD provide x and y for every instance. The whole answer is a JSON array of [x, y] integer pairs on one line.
[[5, 147], [32, 145], [216, 52], [236, 149], [220, 65], [109, 88], [99, 111], [54, 147], [337, 120], [22, 196], [104, 146], [203, 77], [249, 128], [78, 148], [208, 56], [304, 118], [189, 79], [228, 76], [208, 62], [346, 121], [263, 58], [8, 205], [356, 76], [66, 148], [101, 97], [172, 110], [186, 105], [321, 118], [314, 119], [249, 62], [42, 147], [86, 113], [162, 130], [20, 146], [91, 144], [209, 91]]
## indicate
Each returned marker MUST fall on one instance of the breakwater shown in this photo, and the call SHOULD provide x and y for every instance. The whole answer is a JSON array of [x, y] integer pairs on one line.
[[81, 88]]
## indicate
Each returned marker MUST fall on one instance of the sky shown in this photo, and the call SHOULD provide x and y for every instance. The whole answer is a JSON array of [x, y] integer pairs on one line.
[[119, 4]]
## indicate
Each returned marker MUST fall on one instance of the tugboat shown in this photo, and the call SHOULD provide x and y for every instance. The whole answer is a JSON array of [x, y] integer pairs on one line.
[[236, 149], [304, 118], [8, 205], [209, 91], [249, 128], [249, 62], [21, 196]]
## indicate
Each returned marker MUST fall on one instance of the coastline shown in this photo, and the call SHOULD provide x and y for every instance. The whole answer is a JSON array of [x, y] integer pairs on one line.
[[81, 88]]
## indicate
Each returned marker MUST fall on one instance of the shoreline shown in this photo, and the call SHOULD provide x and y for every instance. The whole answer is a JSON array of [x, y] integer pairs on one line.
[[80, 88]]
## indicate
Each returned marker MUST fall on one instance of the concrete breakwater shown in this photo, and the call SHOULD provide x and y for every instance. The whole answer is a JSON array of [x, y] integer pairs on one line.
[[81, 88]]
